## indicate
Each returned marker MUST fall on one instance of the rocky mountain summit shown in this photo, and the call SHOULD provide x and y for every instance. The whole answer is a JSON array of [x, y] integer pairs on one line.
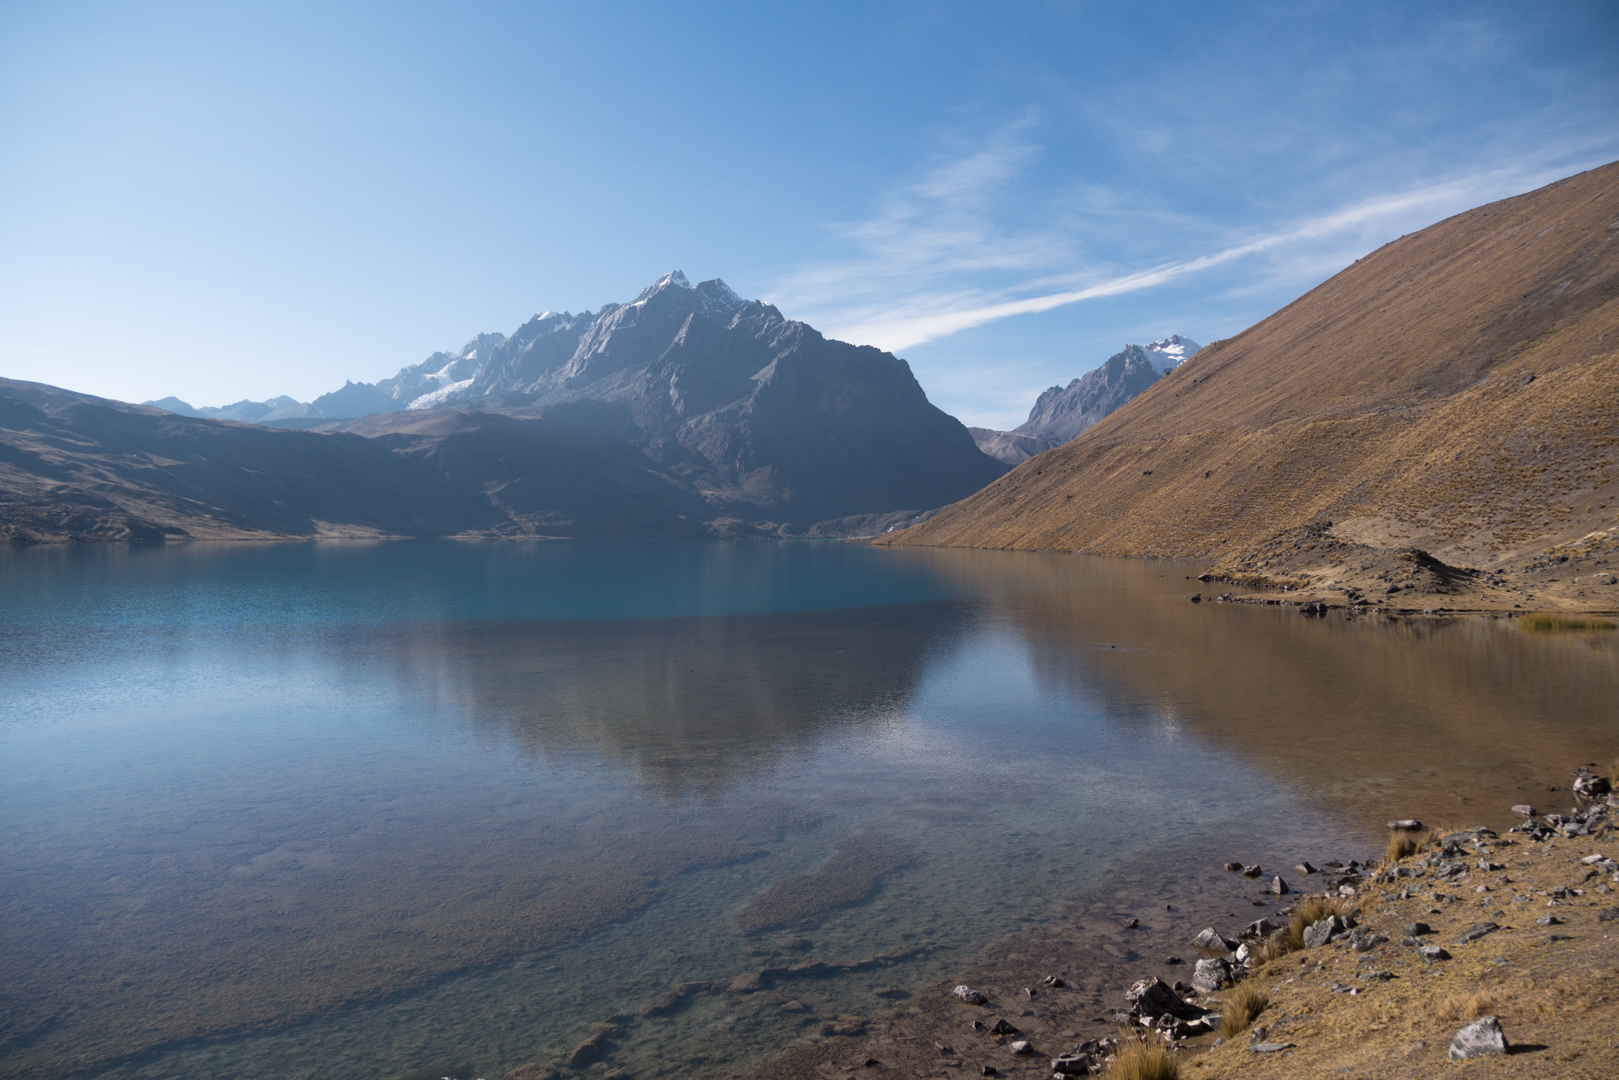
[[1062, 412], [686, 411]]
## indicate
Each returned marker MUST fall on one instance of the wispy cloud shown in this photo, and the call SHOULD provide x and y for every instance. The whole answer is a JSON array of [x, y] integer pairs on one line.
[[934, 261]]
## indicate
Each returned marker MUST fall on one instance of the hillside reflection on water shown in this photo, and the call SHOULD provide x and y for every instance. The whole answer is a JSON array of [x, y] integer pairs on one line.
[[283, 792]]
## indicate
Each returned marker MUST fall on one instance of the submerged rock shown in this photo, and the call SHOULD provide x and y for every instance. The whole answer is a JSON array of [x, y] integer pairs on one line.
[[970, 996]]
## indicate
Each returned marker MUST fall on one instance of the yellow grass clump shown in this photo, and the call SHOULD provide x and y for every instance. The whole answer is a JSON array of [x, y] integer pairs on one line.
[[1144, 1061], [1400, 846], [1240, 1007], [1467, 1006], [1543, 623]]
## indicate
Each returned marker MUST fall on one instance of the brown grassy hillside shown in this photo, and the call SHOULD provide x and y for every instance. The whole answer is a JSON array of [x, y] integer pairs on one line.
[[1456, 391]]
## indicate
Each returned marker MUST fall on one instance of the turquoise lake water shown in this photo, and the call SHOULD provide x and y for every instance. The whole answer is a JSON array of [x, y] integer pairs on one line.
[[433, 808]]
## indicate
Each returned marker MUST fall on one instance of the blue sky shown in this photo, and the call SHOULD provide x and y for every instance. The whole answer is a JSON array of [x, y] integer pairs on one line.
[[223, 201]]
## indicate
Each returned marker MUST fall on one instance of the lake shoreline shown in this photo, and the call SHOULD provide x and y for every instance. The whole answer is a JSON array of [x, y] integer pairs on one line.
[[1546, 981]]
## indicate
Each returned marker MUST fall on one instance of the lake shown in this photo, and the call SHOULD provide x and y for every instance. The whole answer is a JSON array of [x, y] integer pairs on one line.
[[423, 808]]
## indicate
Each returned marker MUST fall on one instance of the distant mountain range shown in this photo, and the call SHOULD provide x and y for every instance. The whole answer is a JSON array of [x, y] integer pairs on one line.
[[688, 411], [1062, 412]]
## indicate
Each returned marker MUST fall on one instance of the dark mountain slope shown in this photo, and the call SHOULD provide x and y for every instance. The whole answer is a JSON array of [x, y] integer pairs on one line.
[[74, 466], [1455, 391]]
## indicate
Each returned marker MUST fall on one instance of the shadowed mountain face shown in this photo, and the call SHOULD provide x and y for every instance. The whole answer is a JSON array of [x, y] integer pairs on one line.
[[686, 412], [76, 467], [1062, 412], [1453, 391]]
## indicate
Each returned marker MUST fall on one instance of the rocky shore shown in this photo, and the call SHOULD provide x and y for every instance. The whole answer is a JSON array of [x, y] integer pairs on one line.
[[1315, 568], [1499, 949]]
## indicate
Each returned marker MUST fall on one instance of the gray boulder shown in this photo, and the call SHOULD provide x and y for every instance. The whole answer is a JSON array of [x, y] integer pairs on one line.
[[970, 996], [1072, 1064], [1478, 1039], [1213, 939], [1319, 933], [1211, 975], [1152, 998]]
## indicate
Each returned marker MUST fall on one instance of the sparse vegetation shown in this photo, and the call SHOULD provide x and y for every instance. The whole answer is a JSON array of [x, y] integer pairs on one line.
[[1545, 624], [1401, 846], [1240, 1008], [1144, 1061], [1306, 913]]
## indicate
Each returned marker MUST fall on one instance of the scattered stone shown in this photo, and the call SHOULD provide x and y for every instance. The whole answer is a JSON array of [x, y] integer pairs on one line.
[[1417, 929], [1431, 953], [1233, 867], [794, 1006], [970, 996], [1482, 1037], [872, 1063], [987, 1070], [977, 1025], [1476, 931], [1261, 928], [1001, 1027], [1270, 1047], [1608, 915], [1592, 860], [1022, 1046], [1368, 942], [746, 983], [1524, 810], [1211, 975], [1306, 869], [1173, 961], [1072, 1064], [943, 1049], [1549, 920], [1591, 785], [1252, 871], [1278, 886], [1559, 937], [1131, 924], [1054, 981], [1197, 598], [1313, 608], [1405, 825]]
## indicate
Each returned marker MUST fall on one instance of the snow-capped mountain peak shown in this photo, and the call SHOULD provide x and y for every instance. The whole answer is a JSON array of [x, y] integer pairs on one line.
[[1171, 352]]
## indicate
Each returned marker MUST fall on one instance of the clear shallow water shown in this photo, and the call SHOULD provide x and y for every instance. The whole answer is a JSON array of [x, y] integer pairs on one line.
[[364, 810]]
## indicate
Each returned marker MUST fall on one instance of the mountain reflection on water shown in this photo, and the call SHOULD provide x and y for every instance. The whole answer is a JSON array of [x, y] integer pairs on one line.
[[360, 809], [685, 704]]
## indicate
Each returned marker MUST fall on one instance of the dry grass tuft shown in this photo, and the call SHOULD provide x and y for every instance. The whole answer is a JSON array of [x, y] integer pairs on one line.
[[1241, 1006], [1400, 846], [1613, 773], [1144, 1061], [1467, 1006], [1543, 623]]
